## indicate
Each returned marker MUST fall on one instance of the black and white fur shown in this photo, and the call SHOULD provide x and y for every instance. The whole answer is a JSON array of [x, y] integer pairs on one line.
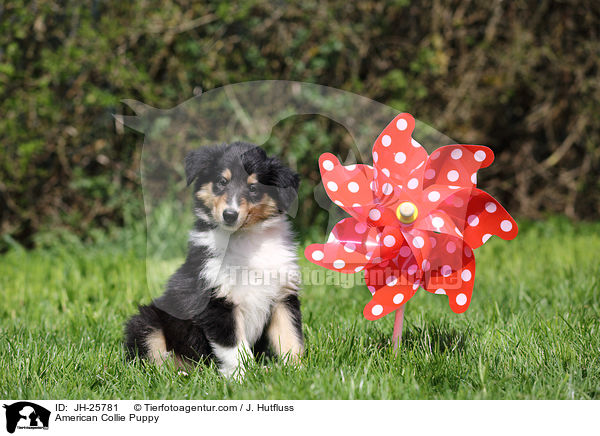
[[237, 292]]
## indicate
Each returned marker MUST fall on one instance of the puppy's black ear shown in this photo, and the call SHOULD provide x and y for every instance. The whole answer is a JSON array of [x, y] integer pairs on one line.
[[199, 162], [286, 182]]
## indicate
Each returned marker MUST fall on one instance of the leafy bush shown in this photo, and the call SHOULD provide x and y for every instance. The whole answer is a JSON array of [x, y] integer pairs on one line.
[[519, 76]]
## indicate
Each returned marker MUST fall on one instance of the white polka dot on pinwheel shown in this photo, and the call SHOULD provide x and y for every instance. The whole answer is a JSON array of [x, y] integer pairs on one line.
[[432, 241], [374, 214], [350, 247], [353, 187], [398, 298], [490, 207], [371, 289], [456, 153], [377, 310], [414, 143], [400, 158], [351, 167], [473, 220], [375, 157], [433, 196], [359, 268], [440, 291], [425, 265], [405, 251], [318, 255], [401, 124], [479, 155], [452, 175], [418, 242], [385, 171], [437, 222], [386, 140], [328, 165], [360, 228], [411, 270], [446, 270], [412, 183], [429, 174], [506, 226], [485, 237], [332, 186], [339, 203], [339, 264], [468, 251], [466, 275], [387, 188], [461, 299], [458, 202], [474, 178], [389, 241], [391, 281], [450, 247]]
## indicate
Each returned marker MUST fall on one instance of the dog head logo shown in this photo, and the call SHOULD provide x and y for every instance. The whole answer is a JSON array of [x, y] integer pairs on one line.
[[26, 415]]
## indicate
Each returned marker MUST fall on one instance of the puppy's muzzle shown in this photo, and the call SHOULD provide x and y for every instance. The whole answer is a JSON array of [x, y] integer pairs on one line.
[[230, 216]]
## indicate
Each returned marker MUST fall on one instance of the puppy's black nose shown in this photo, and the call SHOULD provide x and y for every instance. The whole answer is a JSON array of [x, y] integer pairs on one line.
[[230, 216]]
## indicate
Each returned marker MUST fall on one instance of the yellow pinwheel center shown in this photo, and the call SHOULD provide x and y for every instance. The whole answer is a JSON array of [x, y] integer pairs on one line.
[[407, 212]]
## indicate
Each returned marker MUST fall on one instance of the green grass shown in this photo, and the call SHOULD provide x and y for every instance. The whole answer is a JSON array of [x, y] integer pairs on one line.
[[532, 330]]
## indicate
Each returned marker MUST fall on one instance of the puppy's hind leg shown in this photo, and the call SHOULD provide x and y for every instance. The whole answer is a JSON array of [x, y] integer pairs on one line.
[[285, 330], [144, 336]]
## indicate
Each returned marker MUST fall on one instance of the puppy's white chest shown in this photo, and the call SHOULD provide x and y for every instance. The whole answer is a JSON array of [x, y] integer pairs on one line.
[[252, 272]]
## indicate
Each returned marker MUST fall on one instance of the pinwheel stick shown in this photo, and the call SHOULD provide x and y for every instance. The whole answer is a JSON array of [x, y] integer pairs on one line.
[[398, 321]]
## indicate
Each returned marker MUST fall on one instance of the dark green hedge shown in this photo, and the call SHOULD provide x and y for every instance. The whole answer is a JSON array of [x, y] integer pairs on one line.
[[520, 76]]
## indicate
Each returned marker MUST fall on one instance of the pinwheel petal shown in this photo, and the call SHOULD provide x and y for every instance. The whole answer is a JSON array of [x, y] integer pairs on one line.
[[456, 165], [437, 221], [398, 157], [350, 187], [455, 281], [350, 247], [487, 217], [419, 243], [477, 215], [391, 287]]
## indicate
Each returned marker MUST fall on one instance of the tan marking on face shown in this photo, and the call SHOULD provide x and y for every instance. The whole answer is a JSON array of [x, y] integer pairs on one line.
[[252, 178], [216, 203], [226, 173], [220, 206], [282, 335], [205, 195], [257, 212]]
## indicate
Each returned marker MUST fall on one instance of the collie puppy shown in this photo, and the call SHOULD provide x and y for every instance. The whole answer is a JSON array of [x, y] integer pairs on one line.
[[236, 294]]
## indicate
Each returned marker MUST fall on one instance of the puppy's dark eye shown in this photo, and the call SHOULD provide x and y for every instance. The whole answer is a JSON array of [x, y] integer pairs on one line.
[[253, 191], [222, 182]]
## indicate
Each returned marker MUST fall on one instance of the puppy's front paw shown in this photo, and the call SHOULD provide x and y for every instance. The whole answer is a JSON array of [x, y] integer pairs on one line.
[[234, 372]]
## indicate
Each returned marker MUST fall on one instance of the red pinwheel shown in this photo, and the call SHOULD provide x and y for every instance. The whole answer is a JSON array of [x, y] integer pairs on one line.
[[415, 219]]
